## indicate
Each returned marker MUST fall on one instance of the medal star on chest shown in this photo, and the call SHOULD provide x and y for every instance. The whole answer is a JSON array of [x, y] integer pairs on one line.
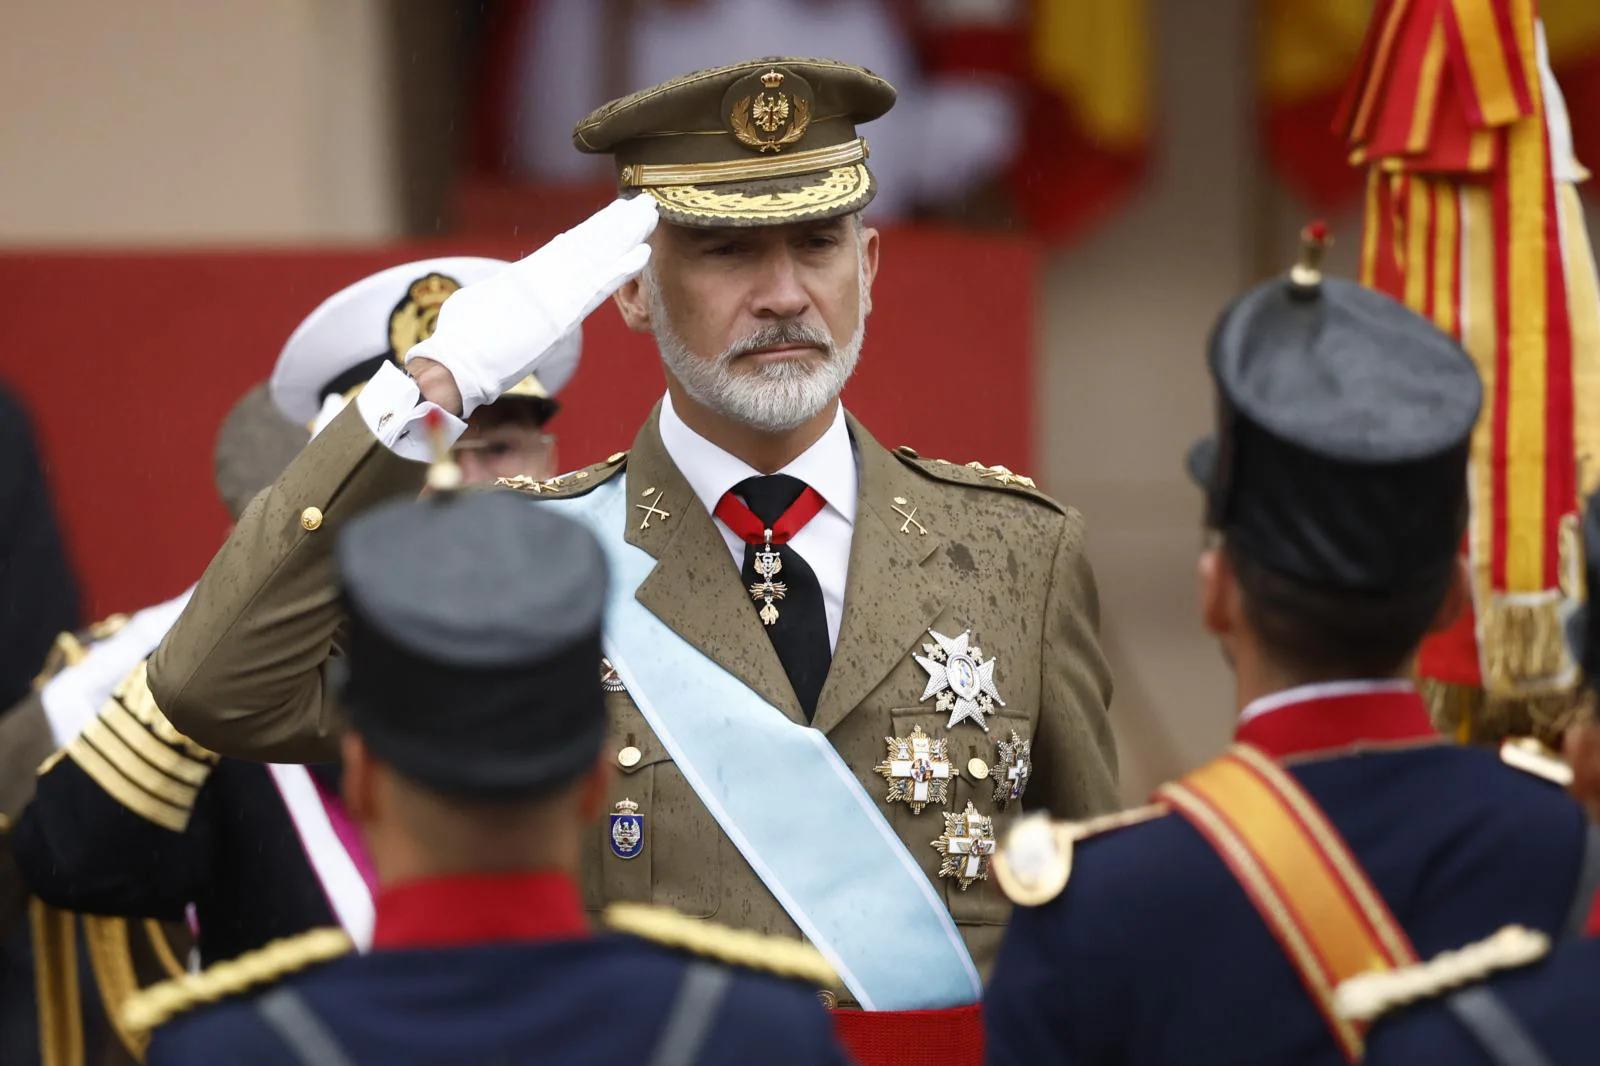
[[918, 770], [966, 846], [959, 680]]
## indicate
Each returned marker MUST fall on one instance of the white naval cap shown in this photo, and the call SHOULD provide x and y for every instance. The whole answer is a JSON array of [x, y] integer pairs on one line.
[[341, 344]]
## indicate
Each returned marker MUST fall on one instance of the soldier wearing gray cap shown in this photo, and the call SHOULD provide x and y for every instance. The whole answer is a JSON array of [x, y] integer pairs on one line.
[[473, 763], [834, 671], [1340, 833]]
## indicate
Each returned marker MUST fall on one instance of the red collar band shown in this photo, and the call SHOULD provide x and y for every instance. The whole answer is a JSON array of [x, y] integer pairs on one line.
[[1327, 723], [478, 909]]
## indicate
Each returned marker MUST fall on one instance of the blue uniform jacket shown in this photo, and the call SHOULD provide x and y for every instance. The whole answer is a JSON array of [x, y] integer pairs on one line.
[[590, 1002], [1555, 1003], [1153, 954]]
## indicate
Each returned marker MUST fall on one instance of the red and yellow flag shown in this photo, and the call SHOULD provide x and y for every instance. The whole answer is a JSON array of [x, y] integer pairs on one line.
[[1472, 219], [1305, 52], [1081, 73]]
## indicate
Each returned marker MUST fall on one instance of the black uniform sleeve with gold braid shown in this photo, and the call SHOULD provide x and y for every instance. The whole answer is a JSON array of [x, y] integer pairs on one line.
[[134, 754], [106, 831]]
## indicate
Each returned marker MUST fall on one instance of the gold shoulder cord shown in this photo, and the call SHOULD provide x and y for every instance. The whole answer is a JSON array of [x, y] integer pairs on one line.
[[111, 958], [55, 969]]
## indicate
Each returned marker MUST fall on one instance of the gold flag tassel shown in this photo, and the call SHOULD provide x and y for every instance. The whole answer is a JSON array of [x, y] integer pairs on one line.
[[1472, 221], [1472, 716]]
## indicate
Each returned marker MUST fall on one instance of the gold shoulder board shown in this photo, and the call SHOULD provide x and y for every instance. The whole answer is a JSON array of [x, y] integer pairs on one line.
[[160, 1003], [1374, 994], [1532, 757], [566, 486], [1034, 861], [70, 649], [738, 947], [976, 475]]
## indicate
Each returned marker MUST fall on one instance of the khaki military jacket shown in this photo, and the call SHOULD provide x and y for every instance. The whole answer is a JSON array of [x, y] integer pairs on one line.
[[243, 671]]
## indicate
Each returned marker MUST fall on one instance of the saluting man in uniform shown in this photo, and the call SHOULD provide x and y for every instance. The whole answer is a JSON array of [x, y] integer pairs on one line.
[[473, 762], [1341, 833], [836, 672]]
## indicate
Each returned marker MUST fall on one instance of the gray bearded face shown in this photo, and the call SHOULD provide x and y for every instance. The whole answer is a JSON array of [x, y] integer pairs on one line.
[[772, 397]]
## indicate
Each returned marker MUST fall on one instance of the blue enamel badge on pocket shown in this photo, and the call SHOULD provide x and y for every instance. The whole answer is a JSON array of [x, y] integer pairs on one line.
[[627, 830]]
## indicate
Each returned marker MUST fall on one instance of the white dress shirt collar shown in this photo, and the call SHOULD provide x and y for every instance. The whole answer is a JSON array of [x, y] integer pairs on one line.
[[829, 465], [1321, 691]]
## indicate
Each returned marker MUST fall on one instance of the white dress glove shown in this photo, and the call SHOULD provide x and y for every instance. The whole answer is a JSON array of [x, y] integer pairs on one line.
[[493, 333]]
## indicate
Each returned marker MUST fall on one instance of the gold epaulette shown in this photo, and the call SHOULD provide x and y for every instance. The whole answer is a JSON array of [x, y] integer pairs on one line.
[[1531, 756], [1034, 862], [160, 1003], [67, 650], [136, 756], [1372, 995], [738, 947], [566, 486], [70, 649], [976, 475]]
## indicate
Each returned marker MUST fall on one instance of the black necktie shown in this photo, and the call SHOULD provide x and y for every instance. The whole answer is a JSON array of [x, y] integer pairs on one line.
[[800, 632]]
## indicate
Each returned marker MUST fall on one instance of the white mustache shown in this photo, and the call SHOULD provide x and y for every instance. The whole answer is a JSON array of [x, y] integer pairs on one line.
[[779, 335]]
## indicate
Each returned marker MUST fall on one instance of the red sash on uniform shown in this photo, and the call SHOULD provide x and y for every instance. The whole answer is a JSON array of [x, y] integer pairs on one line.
[[953, 1037], [1298, 872]]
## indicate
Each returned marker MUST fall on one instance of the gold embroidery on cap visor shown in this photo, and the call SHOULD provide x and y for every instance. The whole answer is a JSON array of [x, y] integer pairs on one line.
[[839, 191], [722, 171], [414, 318]]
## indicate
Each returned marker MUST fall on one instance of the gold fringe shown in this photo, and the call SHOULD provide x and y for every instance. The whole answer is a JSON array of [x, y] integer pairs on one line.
[[1472, 716], [111, 957], [55, 974], [161, 945], [1523, 641]]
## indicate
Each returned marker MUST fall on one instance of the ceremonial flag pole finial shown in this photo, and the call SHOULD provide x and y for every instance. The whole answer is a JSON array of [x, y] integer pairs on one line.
[[443, 473], [1314, 241]]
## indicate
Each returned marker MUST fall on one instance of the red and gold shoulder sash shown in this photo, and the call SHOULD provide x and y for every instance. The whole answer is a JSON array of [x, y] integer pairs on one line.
[[1298, 872]]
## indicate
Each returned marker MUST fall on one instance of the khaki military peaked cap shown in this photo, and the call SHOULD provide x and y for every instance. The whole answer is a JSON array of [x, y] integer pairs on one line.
[[758, 143]]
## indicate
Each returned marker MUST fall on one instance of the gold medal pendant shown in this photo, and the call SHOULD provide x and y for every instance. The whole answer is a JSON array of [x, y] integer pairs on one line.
[[768, 592]]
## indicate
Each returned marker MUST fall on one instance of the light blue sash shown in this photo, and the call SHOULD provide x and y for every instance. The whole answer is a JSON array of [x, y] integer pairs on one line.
[[793, 808]]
